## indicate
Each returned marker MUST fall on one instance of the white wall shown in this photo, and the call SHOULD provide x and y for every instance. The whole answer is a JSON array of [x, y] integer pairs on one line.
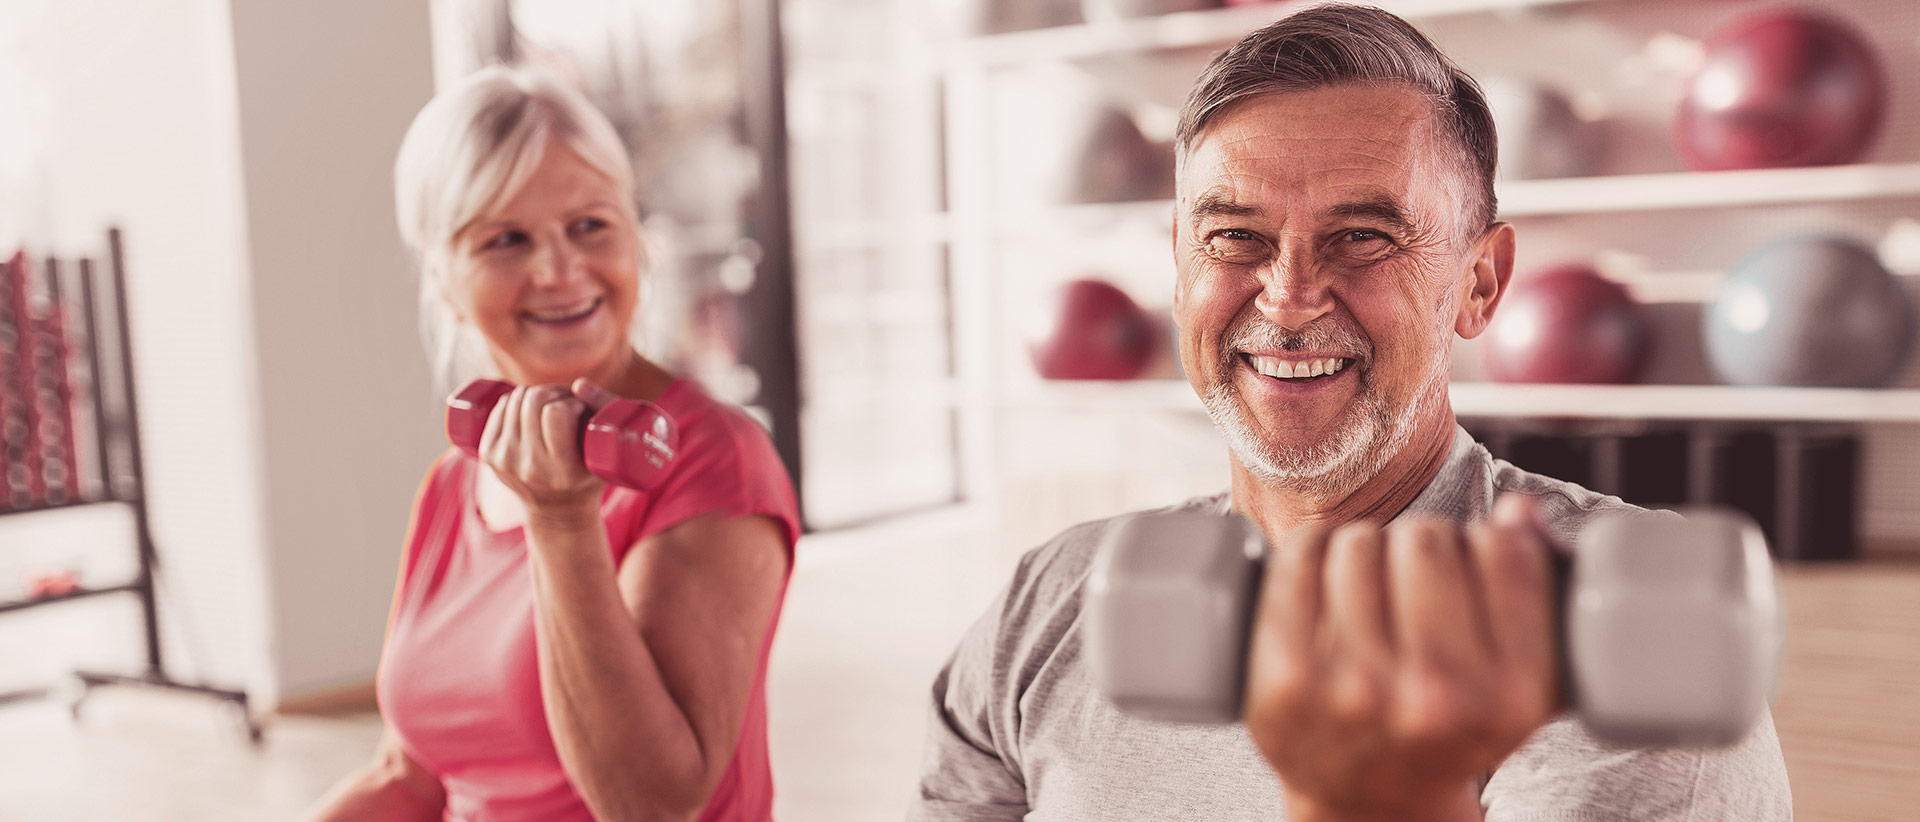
[[245, 147], [139, 131], [350, 422]]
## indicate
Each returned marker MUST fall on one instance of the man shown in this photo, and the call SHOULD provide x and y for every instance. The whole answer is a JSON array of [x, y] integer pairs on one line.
[[1335, 229]]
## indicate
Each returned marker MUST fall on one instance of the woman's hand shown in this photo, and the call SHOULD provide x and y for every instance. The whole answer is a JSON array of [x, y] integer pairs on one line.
[[532, 443]]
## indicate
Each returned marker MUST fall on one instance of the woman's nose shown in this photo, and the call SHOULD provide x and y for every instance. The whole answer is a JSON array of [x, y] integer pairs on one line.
[[564, 262]]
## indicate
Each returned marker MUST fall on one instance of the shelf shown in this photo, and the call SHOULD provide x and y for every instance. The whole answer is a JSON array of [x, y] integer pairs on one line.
[[1710, 189], [78, 593], [1576, 195], [1687, 402], [1179, 30], [1478, 399]]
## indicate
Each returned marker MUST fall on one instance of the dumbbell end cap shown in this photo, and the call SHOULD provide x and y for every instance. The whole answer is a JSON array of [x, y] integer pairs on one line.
[[1674, 634], [1168, 601], [631, 443], [468, 409]]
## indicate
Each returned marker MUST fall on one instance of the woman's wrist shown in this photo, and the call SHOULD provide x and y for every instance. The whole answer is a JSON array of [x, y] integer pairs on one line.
[[565, 518]]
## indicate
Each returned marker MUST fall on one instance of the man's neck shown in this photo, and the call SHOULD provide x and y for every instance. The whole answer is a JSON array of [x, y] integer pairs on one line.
[[1278, 510]]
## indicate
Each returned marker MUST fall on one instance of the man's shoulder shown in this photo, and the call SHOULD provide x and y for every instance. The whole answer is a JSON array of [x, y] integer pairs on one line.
[[1060, 564], [1044, 595], [1566, 507]]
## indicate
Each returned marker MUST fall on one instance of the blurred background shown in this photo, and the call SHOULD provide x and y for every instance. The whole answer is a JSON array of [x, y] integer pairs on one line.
[[926, 243]]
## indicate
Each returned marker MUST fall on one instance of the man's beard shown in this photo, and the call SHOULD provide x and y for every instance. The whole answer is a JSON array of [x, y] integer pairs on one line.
[[1370, 433]]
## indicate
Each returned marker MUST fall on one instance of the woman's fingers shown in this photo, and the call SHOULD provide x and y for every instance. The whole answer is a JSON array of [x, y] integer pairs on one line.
[[532, 440]]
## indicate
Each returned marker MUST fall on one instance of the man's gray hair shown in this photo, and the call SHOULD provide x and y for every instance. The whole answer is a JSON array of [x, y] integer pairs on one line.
[[1338, 44]]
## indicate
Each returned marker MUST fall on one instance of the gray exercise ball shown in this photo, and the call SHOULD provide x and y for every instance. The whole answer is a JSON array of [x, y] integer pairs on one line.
[[1813, 311]]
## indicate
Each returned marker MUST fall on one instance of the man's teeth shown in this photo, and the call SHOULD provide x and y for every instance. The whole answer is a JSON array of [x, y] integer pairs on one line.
[[1297, 369], [567, 313]]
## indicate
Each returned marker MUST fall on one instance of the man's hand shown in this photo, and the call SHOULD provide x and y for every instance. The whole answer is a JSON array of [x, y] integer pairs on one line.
[[1389, 669]]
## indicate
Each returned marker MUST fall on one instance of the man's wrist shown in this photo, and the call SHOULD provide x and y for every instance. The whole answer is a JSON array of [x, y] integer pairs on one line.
[[1459, 806]]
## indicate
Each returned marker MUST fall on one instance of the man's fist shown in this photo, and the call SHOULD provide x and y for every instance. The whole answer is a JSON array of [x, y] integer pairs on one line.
[[1389, 668]]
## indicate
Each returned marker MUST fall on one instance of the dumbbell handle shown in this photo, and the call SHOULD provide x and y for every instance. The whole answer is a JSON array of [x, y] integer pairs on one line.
[[629, 443], [1670, 631]]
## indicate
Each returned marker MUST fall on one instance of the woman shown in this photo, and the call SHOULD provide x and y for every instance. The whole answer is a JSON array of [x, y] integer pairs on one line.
[[560, 649]]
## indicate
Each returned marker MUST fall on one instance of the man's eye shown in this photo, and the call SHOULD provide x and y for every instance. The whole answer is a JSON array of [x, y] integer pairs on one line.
[[1361, 235], [1236, 245], [503, 240]]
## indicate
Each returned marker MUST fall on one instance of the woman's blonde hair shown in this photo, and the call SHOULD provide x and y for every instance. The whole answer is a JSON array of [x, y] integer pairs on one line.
[[471, 147]]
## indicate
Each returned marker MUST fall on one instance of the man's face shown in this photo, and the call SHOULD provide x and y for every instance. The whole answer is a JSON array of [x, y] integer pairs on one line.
[[1315, 237]]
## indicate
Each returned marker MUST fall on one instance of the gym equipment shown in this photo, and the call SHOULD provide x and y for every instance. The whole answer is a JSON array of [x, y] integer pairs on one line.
[[629, 443], [1115, 162], [1567, 325], [1815, 311], [1782, 88], [1540, 134], [1100, 11], [43, 584], [972, 18], [16, 427], [1093, 332], [102, 347], [50, 401], [1671, 631]]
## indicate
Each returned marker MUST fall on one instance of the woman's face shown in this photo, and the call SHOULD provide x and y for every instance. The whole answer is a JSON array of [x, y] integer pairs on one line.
[[550, 276]]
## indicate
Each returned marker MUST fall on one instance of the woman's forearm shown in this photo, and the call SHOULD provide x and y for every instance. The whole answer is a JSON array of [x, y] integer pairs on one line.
[[623, 738], [380, 793]]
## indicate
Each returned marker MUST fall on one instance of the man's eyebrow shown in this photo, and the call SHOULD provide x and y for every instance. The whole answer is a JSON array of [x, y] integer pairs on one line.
[[1220, 204], [1383, 209]]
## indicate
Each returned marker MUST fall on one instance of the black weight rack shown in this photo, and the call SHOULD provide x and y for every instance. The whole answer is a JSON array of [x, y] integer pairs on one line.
[[47, 415]]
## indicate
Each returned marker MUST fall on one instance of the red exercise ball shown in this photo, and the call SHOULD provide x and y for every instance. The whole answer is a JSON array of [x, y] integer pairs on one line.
[[1567, 324], [1093, 331], [1782, 88]]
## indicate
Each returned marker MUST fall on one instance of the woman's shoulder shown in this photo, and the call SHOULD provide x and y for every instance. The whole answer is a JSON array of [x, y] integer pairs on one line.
[[446, 474], [724, 461], [704, 423]]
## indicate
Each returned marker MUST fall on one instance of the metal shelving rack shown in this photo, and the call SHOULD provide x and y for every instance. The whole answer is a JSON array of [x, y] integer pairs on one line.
[[116, 429]]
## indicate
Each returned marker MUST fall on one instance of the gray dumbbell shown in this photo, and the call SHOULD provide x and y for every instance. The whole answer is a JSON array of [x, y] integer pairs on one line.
[[1671, 632]]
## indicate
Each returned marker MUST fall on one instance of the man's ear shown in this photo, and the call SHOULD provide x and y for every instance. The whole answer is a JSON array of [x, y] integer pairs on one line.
[[1179, 283], [1491, 267]]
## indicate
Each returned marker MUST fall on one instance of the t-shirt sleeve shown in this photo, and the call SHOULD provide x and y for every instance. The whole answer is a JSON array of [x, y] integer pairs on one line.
[[426, 500], [970, 771], [727, 467], [1563, 774]]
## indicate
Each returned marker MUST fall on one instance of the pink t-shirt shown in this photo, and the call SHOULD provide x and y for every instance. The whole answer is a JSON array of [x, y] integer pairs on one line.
[[459, 682]]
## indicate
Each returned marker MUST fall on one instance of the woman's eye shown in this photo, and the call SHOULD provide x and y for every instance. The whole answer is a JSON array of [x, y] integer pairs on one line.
[[589, 224], [503, 240]]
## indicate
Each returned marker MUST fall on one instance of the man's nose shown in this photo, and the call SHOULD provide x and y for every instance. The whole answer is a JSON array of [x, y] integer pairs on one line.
[[1294, 291]]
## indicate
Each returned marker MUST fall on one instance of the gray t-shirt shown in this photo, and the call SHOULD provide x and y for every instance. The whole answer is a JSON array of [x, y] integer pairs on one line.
[[1018, 730]]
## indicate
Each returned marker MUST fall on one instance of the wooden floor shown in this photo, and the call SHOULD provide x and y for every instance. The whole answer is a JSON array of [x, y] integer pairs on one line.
[[1848, 710], [1849, 704]]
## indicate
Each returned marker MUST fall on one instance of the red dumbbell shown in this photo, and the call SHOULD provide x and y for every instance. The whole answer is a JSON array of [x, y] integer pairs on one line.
[[629, 443]]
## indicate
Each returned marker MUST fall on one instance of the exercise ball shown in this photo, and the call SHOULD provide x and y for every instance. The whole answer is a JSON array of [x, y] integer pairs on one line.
[[1092, 330], [1541, 136], [1782, 88], [1818, 311], [1115, 162], [1567, 324]]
